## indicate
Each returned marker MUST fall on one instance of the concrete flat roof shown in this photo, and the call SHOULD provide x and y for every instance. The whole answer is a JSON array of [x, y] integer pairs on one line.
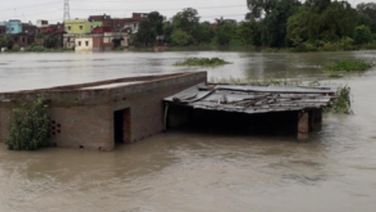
[[101, 90]]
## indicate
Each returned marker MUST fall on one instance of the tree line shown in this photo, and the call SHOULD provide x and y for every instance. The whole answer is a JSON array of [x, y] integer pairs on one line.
[[312, 25]]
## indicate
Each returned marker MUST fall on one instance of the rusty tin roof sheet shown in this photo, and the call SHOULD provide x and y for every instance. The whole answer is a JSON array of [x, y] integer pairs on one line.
[[253, 99]]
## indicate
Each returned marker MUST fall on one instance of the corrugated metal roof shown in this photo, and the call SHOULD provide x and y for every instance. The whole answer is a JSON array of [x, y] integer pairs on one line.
[[253, 99]]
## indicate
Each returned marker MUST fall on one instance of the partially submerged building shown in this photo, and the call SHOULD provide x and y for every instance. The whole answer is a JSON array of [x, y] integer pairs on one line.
[[98, 115], [257, 107], [101, 42]]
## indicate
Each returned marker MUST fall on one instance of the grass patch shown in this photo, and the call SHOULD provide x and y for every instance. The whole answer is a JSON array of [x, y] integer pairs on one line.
[[211, 62], [348, 66]]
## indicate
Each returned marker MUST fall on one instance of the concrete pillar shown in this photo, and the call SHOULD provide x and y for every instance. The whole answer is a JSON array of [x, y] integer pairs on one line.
[[303, 125], [315, 117]]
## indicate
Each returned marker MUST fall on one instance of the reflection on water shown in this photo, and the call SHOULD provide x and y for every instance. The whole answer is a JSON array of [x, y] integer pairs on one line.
[[195, 171]]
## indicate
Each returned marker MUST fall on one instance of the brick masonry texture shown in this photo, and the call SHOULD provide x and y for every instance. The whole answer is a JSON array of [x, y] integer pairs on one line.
[[82, 117]]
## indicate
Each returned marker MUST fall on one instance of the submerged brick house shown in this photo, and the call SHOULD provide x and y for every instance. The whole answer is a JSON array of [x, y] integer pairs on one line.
[[99, 115]]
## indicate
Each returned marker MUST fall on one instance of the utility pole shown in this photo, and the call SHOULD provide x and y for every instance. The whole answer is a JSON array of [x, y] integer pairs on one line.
[[66, 10]]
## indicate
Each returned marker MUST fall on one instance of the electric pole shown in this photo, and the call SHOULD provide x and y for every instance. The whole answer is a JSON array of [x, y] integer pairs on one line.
[[66, 10]]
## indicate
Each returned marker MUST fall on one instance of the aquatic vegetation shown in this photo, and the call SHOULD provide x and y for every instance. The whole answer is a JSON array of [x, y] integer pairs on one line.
[[348, 66], [30, 127], [343, 102], [194, 61]]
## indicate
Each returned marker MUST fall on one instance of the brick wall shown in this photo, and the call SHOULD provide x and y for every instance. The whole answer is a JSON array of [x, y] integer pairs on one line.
[[85, 119]]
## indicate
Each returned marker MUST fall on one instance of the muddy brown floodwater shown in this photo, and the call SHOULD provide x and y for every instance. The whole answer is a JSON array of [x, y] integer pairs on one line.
[[188, 170]]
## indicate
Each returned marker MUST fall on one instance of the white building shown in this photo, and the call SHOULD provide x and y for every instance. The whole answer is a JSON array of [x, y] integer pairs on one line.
[[83, 44]]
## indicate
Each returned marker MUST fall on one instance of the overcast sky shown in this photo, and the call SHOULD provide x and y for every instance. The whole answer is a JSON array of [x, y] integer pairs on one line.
[[32, 10]]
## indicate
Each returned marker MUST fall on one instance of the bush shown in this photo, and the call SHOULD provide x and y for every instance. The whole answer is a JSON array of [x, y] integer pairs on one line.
[[16, 48], [30, 127], [203, 62], [343, 102], [36, 48]]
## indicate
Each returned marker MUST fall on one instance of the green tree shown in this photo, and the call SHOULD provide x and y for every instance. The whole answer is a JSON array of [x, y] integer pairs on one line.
[[303, 26], [250, 33], [50, 42], [226, 32], [168, 29], [318, 5], [6, 41], [275, 23], [181, 38], [363, 35], [259, 7], [338, 20], [203, 33], [150, 28], [187, 22], [367, 12]]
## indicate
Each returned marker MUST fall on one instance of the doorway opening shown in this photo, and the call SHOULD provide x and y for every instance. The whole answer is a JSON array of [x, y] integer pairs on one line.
[[116, 43], [122, 126]]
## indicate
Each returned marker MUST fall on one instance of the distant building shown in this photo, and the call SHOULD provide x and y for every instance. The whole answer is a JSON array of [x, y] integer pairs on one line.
[[14, 27], [51, 31], [3, 28], [42, 23], [105, 19], [102, 29], [110, 41], [130, 25], [69, 41], [21, 40], [140, 15], [84, 43], [80, 26], [100, 42], [29, 29]]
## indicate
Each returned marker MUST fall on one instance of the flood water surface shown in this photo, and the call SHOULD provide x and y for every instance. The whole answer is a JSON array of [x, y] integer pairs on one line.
[[188, 170]]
